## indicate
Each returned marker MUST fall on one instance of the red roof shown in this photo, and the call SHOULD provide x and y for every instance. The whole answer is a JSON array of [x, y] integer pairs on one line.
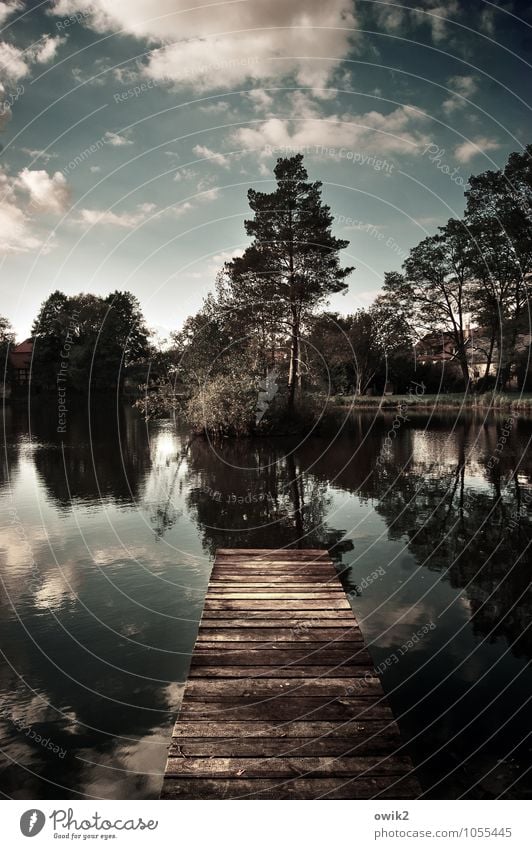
[[20, 355], [25, 347]]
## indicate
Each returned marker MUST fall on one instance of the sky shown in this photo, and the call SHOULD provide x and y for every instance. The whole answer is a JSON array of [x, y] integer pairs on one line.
[[131, 131]]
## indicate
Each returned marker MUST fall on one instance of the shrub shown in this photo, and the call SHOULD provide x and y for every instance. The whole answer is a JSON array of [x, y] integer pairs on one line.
[[224, 406]]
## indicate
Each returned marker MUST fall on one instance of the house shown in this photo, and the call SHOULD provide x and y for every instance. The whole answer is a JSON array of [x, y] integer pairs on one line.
[[20, 361], [436, 348]]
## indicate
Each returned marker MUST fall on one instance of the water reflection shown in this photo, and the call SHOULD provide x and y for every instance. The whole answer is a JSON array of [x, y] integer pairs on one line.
[[255, 495], [105, 557]]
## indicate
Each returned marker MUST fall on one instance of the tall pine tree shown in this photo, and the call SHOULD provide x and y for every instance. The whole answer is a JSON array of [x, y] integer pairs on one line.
[[293, 262]]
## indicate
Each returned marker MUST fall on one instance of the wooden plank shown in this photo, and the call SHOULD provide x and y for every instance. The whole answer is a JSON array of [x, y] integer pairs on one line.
[[282, 700], [310, 649], [312, 708], [254, 553], [252, 672], [351, 729], [313, 577], [266, 635], [290, 767], [262, 688], [278, 604], [282, 587], [281, 656], [342, 622], [265, 747], [297, 617], [309, 788]]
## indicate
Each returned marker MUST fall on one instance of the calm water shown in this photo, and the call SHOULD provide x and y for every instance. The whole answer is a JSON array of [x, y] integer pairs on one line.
[[106, 548]]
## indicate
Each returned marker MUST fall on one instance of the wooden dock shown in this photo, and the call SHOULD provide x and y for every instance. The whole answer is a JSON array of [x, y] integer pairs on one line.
[[282, 701]]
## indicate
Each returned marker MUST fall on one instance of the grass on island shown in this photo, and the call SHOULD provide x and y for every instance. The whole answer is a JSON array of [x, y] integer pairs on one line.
[[449, 400]]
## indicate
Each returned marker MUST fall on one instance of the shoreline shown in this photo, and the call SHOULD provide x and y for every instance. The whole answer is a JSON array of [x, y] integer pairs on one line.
[[518, 403]]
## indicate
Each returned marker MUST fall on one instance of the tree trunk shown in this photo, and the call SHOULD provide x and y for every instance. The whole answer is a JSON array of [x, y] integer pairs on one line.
[[465, 374], [294, 366], [489, 359]]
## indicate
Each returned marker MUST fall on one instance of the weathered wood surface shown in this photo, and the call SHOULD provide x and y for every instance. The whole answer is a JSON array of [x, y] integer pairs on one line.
[[282, 701]]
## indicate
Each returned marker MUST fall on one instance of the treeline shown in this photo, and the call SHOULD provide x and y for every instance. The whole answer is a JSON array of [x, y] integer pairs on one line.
[[477, 271], [86, 341], [262, 342], [263, 349]]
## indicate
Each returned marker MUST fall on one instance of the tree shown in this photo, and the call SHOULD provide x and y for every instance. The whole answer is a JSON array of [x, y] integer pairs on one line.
[[330, 357], [436, 287], [499, 217], [293, 262], [90, 339], [7, 338]]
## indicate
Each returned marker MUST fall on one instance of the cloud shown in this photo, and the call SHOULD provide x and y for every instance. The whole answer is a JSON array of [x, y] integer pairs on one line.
[[16, 224], [47, 194], [17, 236], [463, 87], [223, 44], [206, 153], [116, 140], [9, 8], [206, 189], [217, 108], [181, 209], [40, 154], [16, 63], [93, 75], [469, 149], [218, 260], [184, 174], [127, 220], [46, 50], [436, 15], [374, 132], [13, 63], [260, 99]]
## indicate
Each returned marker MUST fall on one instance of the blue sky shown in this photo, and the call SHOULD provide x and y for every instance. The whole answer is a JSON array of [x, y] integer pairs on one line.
[[132, 129]]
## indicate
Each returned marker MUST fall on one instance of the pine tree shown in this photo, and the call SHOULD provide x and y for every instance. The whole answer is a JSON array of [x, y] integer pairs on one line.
[[293, 263]]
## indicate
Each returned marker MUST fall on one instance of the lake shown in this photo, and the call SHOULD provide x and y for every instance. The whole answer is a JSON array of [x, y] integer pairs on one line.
[[108, 536]]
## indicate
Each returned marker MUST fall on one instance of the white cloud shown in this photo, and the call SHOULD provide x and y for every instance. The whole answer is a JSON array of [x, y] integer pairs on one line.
[[469, 149], [206, 189], [17, 236], [16, 224], [47, 194], [209, 194], [217, 260], [436, 16], [466, 86], [40, 154], [206, 153], [184, 174], [46, 49], [181, 209], [116, 140], [217, 108], [260, 99], [93, 75], [373, 132], [128, 220], [262, 39], [13, 63], [9, 8]]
